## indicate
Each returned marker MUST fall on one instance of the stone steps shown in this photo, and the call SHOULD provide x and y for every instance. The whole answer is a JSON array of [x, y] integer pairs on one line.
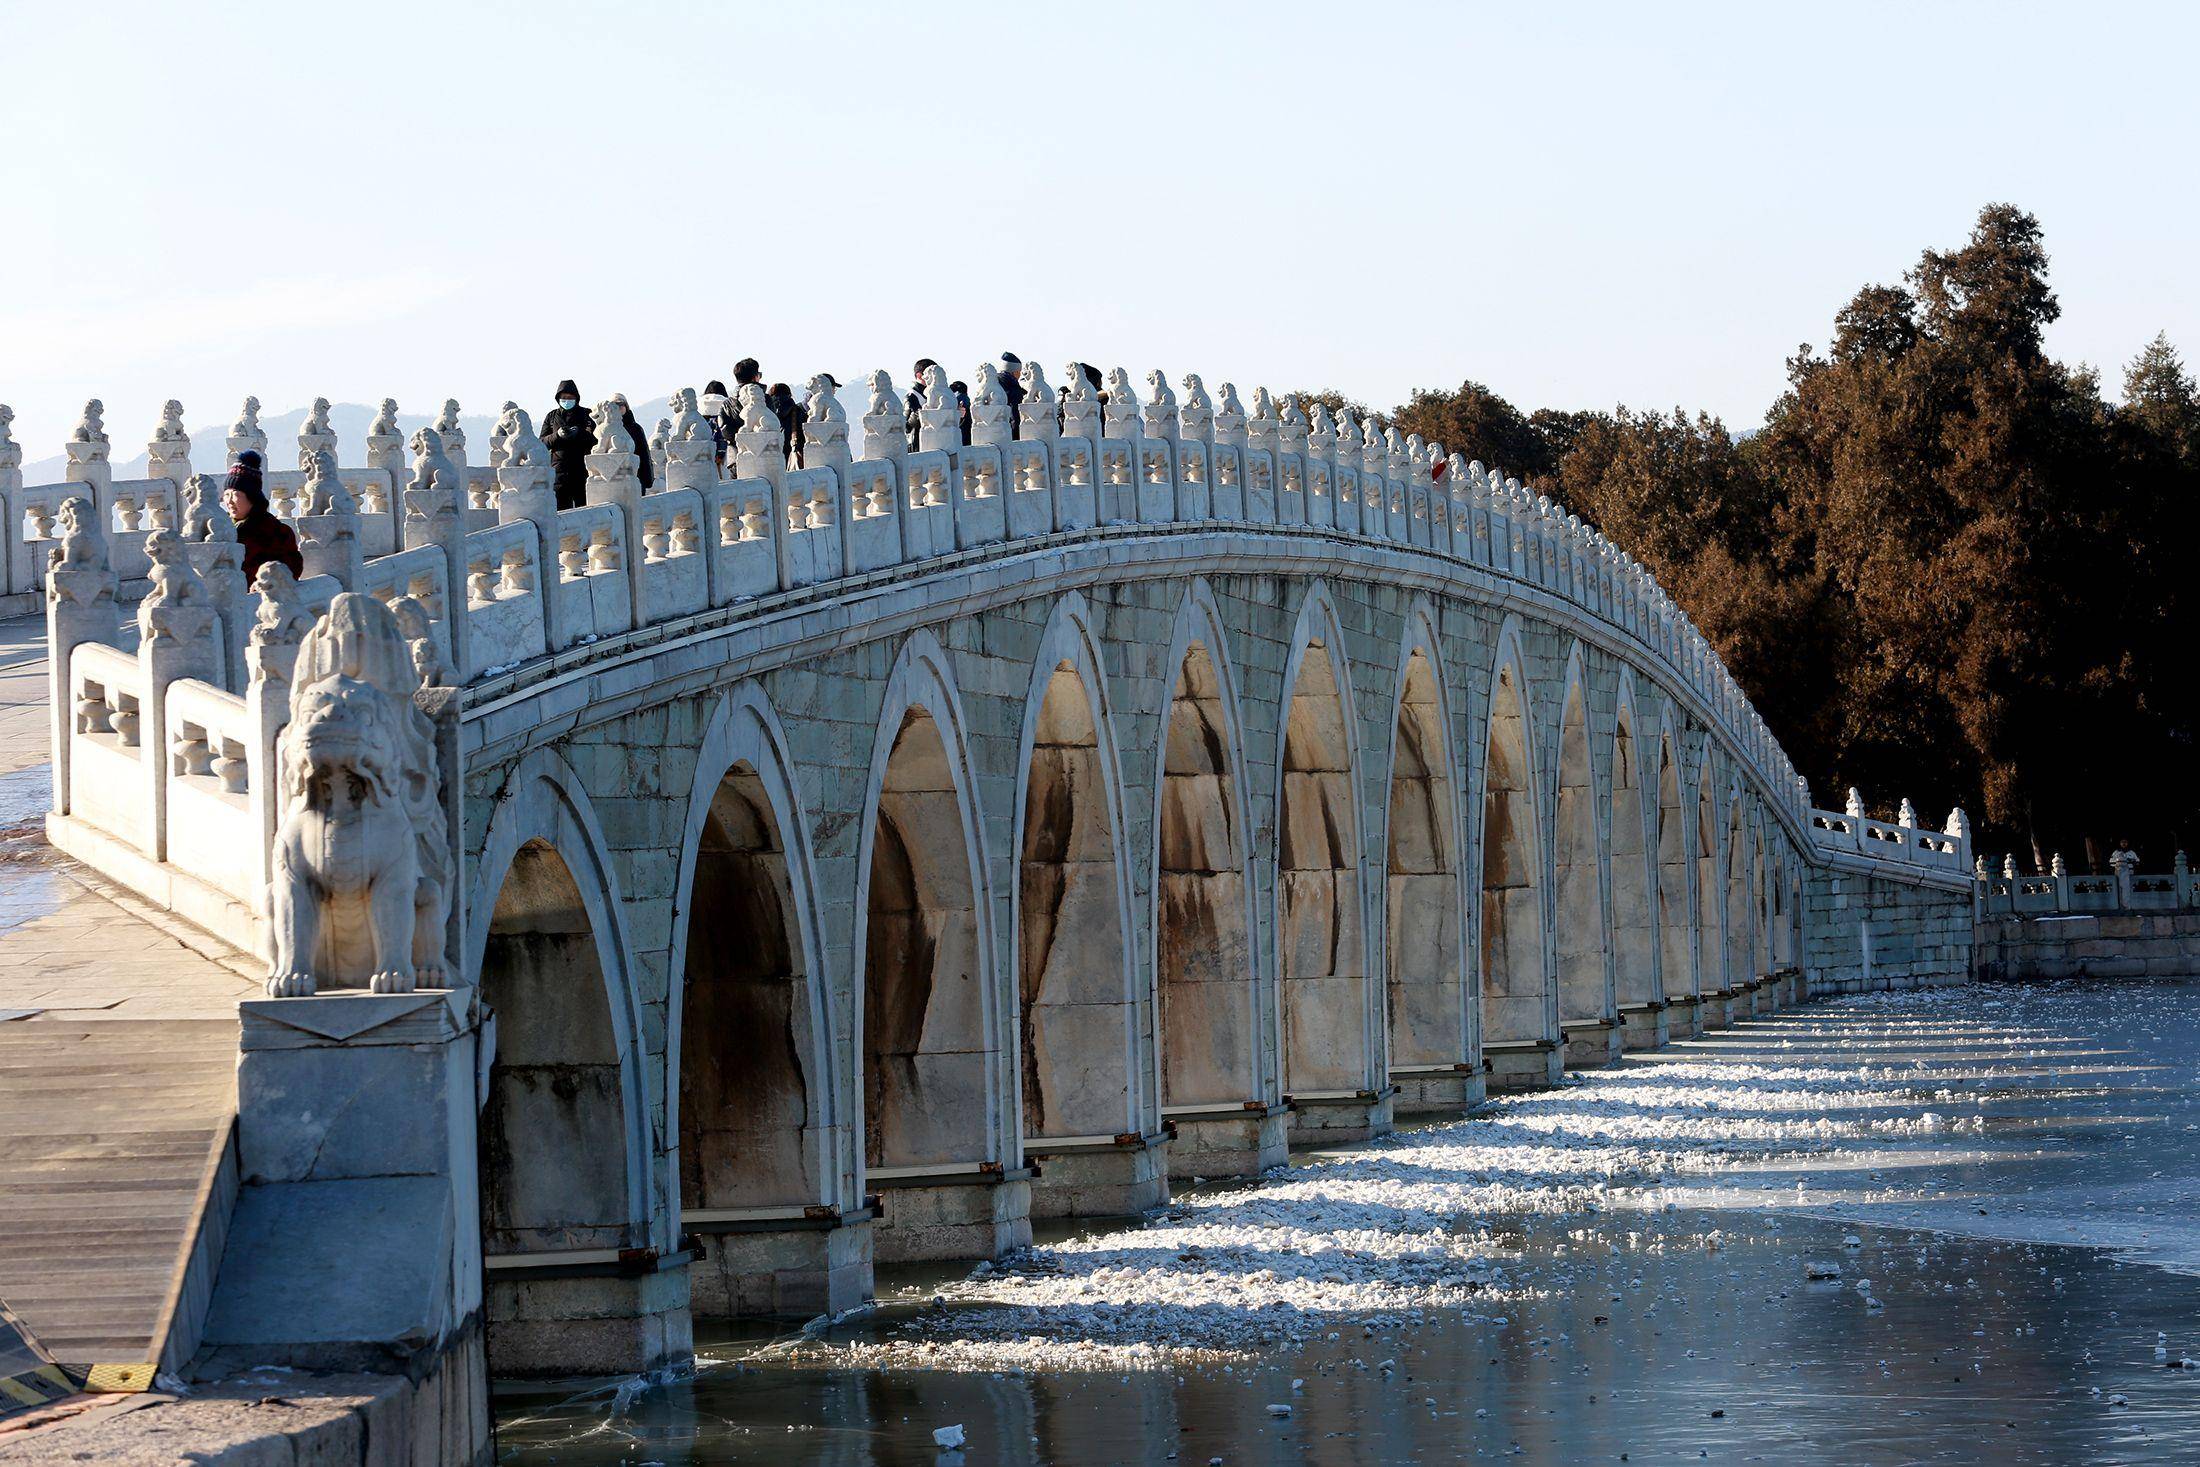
[[108, 1130]]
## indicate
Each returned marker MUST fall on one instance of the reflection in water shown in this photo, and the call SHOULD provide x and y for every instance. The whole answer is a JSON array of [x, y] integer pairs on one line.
[[1666, 1316]]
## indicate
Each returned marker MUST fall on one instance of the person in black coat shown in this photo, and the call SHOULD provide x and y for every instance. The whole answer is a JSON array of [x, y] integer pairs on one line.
[[780, 399], [1012, 386], [643, 471], [570, 434]]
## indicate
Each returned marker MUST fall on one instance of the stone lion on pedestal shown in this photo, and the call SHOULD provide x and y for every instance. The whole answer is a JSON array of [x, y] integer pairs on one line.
[[362, 862]]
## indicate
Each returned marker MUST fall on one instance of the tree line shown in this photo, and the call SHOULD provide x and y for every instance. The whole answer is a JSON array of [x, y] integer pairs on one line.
[[1947, 566]]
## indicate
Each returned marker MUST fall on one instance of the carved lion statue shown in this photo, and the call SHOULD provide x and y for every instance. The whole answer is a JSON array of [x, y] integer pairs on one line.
[[385, 420], [521, 444], [93, 427], [936, 393], [361, 856], [1163, 395], [883, 397], [825, 401], [83, 539]]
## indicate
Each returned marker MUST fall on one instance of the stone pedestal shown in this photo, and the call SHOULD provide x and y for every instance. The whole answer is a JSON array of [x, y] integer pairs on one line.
[[354, 1244], [1714, 1010], [1522, 1064], [589, 1318], [1591, 1043], [799, 1267], [1683, 1017], [1227, 1141], [975, 1215], [1432, 1090], [1643, 1025], [1328, 1120], [1119, 1177]]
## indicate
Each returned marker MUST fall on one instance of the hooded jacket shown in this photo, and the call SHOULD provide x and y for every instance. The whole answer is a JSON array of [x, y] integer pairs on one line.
[[570, 435]]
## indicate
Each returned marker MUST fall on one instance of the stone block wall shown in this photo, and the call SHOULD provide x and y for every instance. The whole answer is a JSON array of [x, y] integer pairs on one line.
[[1864, 932], [2092, 945]]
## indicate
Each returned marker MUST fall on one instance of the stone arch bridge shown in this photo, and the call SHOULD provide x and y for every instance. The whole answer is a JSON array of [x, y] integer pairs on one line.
[[853, 862]]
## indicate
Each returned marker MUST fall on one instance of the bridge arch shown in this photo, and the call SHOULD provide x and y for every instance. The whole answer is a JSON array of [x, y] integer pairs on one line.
[[1214, 1047], [1581, 928], [1634, 859], [754, 1101], [1519, 994], [1430, 1016], [929, 1032], [1086, 1068], [565, 1138], [1331, 1019]]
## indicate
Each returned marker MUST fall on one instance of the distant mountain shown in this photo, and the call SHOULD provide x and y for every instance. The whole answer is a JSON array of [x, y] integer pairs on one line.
[[210, 443]]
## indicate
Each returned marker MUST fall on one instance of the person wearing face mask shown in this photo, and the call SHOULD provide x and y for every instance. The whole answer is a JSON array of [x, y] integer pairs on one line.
[[570, 434]]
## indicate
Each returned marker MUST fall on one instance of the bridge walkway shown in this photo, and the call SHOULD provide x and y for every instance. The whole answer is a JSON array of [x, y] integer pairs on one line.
[[118, 1053]]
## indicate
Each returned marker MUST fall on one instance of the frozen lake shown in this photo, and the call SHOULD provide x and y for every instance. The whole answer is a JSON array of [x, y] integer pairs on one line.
[[1996, 1182]]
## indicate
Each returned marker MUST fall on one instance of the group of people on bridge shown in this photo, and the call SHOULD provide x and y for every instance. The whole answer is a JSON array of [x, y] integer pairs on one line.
[[569, 429]]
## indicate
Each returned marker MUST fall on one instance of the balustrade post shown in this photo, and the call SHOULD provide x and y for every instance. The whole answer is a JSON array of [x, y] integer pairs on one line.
[[825, 446], [175, 640], [386, 452], [271, 656], [328, 525], [1160, 424], [168, 455], [1036, 423], [2123, 862], [88, 449], [315, 435], [210, 537], [11, 485], [246, 435], [2061, 875], [435, 514], [480, 503], [939, 420], [691, 457], [2181, 874], [527, 492], [80, 608], [614, 478]]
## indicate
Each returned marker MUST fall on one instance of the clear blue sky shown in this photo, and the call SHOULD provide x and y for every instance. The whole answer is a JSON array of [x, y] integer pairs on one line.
[[1580, 206]]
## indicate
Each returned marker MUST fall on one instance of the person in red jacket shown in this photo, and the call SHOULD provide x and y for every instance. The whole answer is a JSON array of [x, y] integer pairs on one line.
[[263, 536]]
